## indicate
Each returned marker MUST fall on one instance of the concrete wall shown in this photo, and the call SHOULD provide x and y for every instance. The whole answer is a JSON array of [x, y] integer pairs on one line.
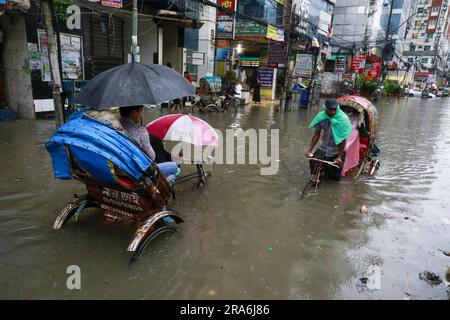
[[18, 89], [171, 52], [205, 44], [147, 39]]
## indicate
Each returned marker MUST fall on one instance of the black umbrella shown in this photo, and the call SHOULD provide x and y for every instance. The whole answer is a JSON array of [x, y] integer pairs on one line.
[[134, 84]]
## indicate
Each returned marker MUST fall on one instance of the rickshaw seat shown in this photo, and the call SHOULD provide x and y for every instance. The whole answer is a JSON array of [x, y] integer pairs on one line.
[[364, 143]]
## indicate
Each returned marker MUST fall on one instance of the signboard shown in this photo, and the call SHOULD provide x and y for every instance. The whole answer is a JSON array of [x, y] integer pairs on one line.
[[358, 63], [223, 44], [2, 1], [271, 32], [71, 57], [274, 33], [267, 80], [112, 3], [225, 22], [223, 54], [250, 29], [374, 71], [303, 66], [249, 61], [46, 71], [277, 54], [431, 78]]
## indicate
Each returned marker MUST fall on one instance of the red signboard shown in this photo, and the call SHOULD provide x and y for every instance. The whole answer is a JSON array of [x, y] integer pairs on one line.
[[358, 63], [374, 71]]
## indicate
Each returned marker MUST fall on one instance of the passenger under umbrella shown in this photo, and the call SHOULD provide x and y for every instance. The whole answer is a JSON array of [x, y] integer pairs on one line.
[[130, 120]]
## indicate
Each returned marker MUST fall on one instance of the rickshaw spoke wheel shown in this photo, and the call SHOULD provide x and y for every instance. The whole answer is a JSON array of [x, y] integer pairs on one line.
[[161, 228], [310, 185]]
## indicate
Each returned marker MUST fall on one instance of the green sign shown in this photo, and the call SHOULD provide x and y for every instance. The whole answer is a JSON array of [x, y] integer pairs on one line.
[[250, 29]]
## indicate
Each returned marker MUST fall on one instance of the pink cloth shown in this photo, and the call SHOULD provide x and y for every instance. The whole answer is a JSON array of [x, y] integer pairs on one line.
[[352, 146]]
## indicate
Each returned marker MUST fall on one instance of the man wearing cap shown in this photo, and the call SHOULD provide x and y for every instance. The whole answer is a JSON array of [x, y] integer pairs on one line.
[[336, 127]]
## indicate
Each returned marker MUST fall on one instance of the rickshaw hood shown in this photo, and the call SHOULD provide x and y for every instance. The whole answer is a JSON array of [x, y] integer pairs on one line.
[[95, 136]]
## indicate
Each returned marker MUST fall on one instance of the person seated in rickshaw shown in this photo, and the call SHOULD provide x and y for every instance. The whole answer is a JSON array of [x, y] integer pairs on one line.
[[161, 154], [130, 119], [336, 128]]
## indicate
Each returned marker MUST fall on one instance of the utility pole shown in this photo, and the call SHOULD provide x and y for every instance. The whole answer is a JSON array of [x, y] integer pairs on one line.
[[386, 45], [54, 64], [288, 54], [134, 36]]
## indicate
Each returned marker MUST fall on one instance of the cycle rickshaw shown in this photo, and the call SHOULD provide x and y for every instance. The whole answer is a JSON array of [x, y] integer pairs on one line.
[[120, 179], [361, 149]]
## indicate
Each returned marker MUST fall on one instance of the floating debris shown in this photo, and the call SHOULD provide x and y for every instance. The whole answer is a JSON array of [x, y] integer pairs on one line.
[[363, 209], [212, 292], [269, 249], [430, 277], [447, 253]]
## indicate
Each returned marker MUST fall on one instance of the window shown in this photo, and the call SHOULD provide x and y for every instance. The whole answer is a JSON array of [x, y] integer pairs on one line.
[[415, 35], [420, 10], [430, 35], [427, 48], [411, 60], [398, 4], [412, 47], [424, 60], [435, 11], [432, 24]]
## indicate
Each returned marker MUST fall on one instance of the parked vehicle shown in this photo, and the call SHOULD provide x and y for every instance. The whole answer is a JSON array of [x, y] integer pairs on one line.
[[442, 92], [428, 94], [415, 93]]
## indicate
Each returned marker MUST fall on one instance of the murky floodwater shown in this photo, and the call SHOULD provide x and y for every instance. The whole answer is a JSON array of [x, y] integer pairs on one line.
[[245, 236]]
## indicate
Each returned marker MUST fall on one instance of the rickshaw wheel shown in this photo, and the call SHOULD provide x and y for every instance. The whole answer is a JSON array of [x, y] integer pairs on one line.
[[161, 227], [310, 185], [79, 203], [374, 166], [361, 168], [211, 107]]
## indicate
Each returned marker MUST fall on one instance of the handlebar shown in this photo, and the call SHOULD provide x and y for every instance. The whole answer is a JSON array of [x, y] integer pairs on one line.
[[324, 161]]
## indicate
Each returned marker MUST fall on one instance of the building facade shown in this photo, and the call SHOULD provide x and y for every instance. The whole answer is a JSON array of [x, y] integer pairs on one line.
[[427, 46]]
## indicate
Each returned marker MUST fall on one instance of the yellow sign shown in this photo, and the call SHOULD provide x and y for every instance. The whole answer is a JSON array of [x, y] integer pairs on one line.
[[271, 32]]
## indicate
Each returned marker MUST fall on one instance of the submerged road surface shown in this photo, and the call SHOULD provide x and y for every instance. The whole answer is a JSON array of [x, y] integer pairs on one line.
[[245, 236]]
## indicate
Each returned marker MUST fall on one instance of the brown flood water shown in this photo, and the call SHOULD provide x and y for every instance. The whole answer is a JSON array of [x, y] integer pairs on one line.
[[245, 236]]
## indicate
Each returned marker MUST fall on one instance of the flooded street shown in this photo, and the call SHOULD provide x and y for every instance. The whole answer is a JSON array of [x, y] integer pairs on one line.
[[245, 236]]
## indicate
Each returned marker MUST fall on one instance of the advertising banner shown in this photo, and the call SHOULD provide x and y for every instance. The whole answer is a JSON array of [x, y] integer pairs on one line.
[[225, 22], [250, 29], [358, 63], [303, 66], [277, 54], [112, 3]]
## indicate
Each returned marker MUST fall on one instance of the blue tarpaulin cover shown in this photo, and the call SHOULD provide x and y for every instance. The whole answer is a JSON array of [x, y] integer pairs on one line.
[[92, 142]]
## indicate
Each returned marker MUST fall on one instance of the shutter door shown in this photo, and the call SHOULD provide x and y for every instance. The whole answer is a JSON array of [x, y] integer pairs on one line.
[[107, 43]]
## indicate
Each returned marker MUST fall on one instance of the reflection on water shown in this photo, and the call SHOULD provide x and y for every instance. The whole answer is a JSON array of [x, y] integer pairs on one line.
[[245, 236]]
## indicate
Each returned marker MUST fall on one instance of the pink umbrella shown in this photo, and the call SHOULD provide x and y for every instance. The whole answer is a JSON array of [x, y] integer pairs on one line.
[[183, 127]]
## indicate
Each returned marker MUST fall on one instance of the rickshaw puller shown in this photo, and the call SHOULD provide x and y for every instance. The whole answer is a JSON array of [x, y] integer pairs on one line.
[[336, 129]]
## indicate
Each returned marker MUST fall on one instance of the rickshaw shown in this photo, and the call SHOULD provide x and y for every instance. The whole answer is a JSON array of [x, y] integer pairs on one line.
[[361, 150], [120, 179], [209, 97]]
